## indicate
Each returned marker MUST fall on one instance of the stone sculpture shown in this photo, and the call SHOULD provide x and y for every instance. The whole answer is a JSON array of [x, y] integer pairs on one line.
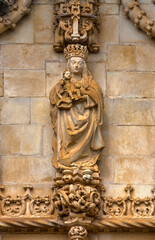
[[77, 119], [76, 113], [76, 21]]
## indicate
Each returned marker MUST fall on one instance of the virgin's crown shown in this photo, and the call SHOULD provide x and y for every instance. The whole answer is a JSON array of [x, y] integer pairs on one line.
[[76, 50]]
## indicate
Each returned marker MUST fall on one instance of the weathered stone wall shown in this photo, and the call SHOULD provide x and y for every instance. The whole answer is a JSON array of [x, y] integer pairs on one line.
[[125, 69]]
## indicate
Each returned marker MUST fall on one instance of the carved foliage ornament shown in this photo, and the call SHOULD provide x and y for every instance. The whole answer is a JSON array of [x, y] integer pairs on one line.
[[77, 201], [139, 17], [11, 11]]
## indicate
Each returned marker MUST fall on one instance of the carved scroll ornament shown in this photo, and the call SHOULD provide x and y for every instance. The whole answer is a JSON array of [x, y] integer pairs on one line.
[[11, 12], [139, 17]]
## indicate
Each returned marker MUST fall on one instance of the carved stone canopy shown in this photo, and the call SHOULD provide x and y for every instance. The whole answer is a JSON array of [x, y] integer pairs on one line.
[[76, 21]]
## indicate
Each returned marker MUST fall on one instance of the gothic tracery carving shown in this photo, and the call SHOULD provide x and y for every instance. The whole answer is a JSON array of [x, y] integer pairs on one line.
[[76, 199]]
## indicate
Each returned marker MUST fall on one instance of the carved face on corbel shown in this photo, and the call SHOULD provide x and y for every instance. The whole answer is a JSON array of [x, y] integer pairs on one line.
[[76, 65]]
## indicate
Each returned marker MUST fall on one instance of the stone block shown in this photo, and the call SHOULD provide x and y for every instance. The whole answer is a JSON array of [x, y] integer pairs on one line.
[[145, 57], [97, 58], [121, 58], [106, 167], [0, 58], [109, 31], [0, 109], [42, 2], [130, 111], [126, 236], [52, 236], [23, 33], [134, 169], [47, 140], [24, 56], [112, 1], [40, 111], [26, 169], [21, 139], [1, 84], [118, 190], [114, 190], [24, 83], [43, 23], [146, 1], [109, 9], [54, 72], [143, 190], [129, 140], [15, 111], [131, 84], [98, 72]]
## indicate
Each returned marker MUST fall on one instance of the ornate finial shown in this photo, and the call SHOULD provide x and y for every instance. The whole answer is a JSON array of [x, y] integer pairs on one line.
[[77, 233], [76, 50]]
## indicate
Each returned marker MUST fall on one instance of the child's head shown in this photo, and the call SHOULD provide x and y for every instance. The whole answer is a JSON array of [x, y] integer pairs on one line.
[[67, 75]]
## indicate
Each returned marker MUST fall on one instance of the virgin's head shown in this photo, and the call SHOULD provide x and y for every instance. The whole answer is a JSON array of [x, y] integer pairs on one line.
[[76, 65]]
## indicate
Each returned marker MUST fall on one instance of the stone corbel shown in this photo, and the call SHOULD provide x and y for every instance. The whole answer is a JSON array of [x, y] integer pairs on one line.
[[139, 17], [16, 12]]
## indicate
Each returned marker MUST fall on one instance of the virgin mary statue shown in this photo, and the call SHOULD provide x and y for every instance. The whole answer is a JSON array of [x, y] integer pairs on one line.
[[76, 114]]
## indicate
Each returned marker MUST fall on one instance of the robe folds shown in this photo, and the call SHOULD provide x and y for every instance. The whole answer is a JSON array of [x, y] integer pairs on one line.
[[77, 126]]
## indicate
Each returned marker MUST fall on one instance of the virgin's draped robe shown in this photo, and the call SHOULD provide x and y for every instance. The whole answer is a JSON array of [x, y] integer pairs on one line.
[[77, 124]]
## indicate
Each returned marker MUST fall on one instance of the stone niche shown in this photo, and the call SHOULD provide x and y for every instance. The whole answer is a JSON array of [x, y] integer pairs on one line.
[[124, 67]]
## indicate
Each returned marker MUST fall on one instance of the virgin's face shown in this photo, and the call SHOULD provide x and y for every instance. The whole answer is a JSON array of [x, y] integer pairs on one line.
[[76, 65]]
